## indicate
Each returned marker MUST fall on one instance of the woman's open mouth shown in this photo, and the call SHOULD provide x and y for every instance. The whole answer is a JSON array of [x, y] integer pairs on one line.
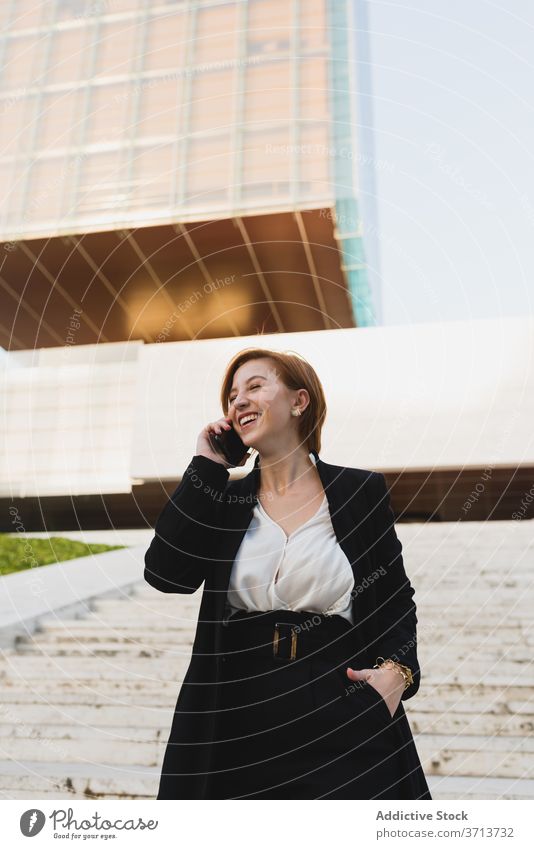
[[249, 420]]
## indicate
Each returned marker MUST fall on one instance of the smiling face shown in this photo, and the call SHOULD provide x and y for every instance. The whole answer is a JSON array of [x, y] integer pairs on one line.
[[260, 404]]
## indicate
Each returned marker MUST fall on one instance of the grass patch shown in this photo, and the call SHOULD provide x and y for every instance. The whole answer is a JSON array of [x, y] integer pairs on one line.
[[19, 553]]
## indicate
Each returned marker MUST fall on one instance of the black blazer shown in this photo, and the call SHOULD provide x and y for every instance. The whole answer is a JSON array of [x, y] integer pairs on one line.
[[197, 537]]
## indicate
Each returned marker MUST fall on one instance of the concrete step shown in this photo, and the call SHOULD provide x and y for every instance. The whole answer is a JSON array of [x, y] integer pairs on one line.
[[493, 707], [138, 623], [75, 780], [486, 615], [92, 691], [143, 667], [481, 619], [123, 620], [54, 781], [148, 721], [68, 731], [28, 666], [455, 595], [180, 641], [109, 752], [480, 603], [459, 723], [75, 648], [471, 787], [43, 716], [146, 621], [51, 794], [124, 657], [106, 638], [506, 757], [451, 581], [441, 700], [496, 757], [155, 627], [164, 600]]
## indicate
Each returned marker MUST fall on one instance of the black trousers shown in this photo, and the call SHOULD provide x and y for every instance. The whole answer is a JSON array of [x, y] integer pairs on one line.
[[300, 729]]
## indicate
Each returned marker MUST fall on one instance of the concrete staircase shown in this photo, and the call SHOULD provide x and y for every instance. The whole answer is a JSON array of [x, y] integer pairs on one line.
[[87, 702]]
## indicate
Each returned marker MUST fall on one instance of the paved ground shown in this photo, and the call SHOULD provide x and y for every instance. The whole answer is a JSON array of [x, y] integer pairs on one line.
[[87, 702]]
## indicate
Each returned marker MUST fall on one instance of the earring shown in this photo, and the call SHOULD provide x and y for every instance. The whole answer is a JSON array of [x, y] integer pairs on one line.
[[295, 412]]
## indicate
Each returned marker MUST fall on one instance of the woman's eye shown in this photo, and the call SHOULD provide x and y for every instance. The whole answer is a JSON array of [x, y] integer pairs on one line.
[[254, 386]]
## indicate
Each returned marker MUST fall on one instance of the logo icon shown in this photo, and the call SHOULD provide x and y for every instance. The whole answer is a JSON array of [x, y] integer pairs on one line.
[[32, 822]]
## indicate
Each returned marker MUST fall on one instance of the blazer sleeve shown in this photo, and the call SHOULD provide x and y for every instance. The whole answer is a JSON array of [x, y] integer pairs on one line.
[[394, 623], [185, 534]]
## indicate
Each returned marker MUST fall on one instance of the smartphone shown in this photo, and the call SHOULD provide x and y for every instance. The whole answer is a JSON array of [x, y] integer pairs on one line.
[[230, 445]]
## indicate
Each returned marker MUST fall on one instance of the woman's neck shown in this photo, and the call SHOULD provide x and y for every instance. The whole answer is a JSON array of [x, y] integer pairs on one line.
[[284, 475]]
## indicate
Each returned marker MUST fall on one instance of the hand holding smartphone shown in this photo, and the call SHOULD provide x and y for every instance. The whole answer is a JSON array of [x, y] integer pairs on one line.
[[219, 441]]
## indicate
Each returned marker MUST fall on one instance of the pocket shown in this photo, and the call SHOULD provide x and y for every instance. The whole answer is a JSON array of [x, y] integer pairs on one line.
[[346, 686], [356, 689], [380, 704], [348, 689]]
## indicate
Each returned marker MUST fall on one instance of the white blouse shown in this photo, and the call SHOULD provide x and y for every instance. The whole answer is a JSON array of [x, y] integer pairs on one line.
[[306, 571]]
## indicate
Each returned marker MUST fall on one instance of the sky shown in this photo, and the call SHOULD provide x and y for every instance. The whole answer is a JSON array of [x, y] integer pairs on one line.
[[453, 95]]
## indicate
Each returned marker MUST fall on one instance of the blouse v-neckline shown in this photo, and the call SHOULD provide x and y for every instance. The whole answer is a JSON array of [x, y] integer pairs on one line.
[[288, 537]]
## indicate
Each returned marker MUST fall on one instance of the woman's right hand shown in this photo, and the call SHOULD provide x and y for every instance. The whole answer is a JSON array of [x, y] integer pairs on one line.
[[204, 445]]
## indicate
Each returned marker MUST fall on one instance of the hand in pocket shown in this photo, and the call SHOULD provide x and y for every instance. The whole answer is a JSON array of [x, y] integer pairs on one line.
[[388, 683]]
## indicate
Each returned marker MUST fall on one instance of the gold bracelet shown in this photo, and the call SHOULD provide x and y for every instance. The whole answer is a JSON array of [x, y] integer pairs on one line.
[[405, 671]]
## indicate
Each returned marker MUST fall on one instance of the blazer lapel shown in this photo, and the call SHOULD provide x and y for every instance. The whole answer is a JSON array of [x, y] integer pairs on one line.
[[238, 517], [348, 508]]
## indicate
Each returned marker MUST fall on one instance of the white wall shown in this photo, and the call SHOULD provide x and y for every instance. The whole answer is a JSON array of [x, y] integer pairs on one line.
[[436, 395], [92, 418], [67, 420]]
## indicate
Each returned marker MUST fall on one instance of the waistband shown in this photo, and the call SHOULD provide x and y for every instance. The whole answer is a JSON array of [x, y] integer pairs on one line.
[[287, 636]]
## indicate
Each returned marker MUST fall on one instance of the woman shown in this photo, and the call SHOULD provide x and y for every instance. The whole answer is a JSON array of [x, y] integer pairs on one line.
[[305, 646]]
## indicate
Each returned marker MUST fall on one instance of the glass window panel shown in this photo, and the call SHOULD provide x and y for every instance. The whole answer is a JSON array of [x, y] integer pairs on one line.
[[269, 26], [59, 119], [215, 36], [117, 48], [87, 9], [69, 58], [101, 183], [166, 42], [315, 160], [212, 100], [268, 92], [15, 128], [17, 200], [159, 108], [313, 24], [22, 56], [44, 199], [266, 162], [121, 5], [263, 14], [313, 89], [109, 108], [5, 15], [68, 9], [7, 190], [26, 13], [266, 42], [210, 168], [153, 176], [353, 250]]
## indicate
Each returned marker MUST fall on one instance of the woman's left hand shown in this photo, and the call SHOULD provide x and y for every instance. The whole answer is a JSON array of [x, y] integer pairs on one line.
[[389, 684]]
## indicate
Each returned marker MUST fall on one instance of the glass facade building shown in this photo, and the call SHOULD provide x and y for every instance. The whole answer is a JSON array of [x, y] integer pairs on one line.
[[125, 114]]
